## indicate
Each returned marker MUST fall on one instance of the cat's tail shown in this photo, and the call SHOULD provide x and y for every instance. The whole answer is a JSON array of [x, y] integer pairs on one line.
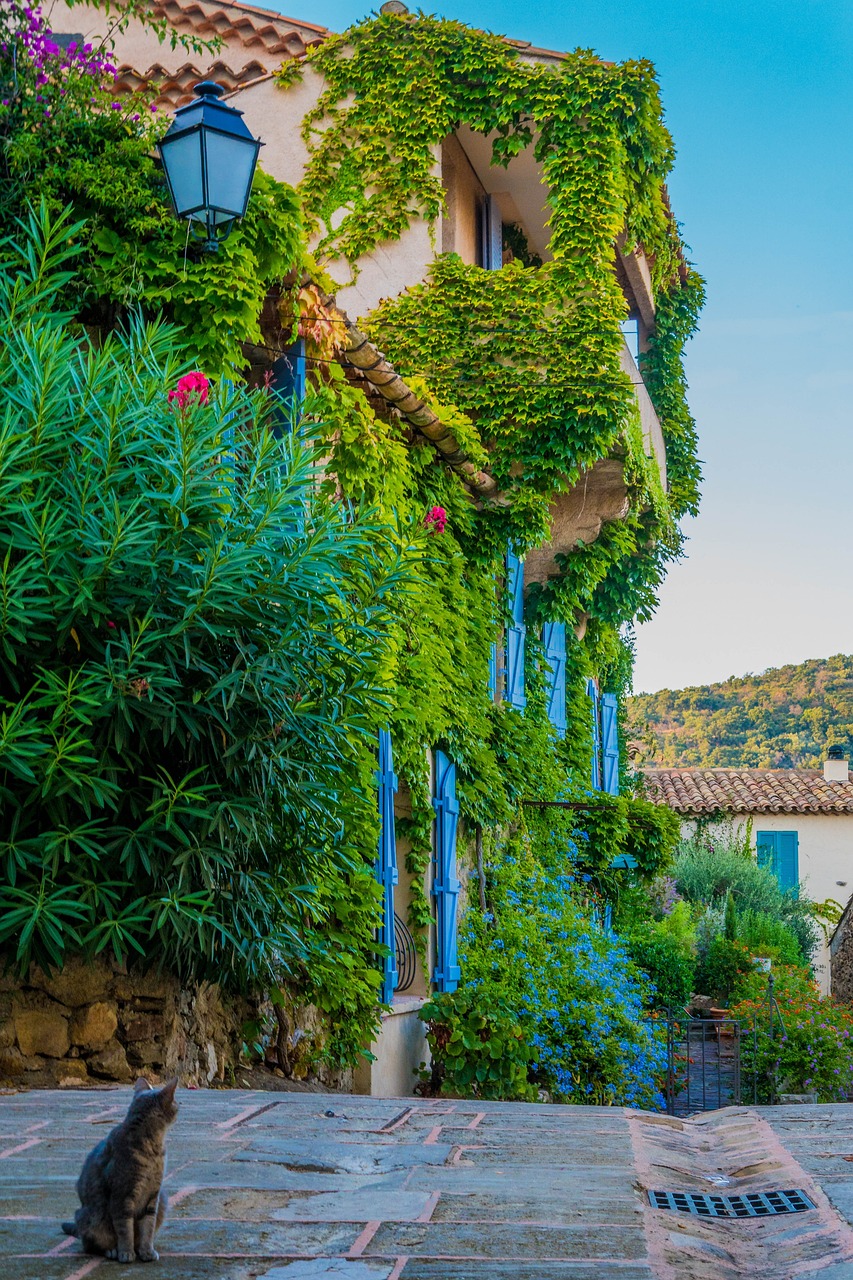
[[70, 1228]]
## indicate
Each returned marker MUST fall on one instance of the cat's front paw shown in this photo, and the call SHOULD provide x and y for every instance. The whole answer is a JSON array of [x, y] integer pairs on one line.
[[111, 1254], [148, 1255], [125, 1255]]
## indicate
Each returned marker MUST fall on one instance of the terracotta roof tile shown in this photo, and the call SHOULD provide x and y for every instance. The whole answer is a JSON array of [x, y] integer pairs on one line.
[[176, 87], [254, 43], [704, 791]]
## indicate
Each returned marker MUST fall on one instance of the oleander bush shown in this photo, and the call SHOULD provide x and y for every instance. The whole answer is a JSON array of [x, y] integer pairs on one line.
[[191, 653]]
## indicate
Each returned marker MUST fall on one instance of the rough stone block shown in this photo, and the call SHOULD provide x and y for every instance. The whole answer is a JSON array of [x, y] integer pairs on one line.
[[111, 1063], [12, 1063], [146, 1053], [42, 1031], [94, 1026], [141, 1026], [75, 984], [68, 1072]]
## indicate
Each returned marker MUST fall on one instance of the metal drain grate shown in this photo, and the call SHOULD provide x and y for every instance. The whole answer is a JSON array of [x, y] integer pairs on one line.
[[755, 1204]]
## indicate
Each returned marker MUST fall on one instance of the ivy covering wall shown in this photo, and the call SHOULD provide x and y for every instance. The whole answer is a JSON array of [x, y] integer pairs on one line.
[[522, 363]]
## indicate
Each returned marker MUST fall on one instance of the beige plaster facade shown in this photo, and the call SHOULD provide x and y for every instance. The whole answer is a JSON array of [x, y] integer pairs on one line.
[[398, 1051]]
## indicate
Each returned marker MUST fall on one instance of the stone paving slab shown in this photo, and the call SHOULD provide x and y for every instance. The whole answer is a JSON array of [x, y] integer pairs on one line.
[[273, 1186]]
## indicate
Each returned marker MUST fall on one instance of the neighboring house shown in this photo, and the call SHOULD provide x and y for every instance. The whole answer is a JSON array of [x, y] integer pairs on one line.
[[482, 201], [801, 820]]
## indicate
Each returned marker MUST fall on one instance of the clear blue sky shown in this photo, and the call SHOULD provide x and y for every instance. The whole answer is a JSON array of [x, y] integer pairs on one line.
[[759, 98]]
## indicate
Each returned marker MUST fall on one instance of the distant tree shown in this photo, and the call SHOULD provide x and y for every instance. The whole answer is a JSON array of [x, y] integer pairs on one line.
[[784, 718]]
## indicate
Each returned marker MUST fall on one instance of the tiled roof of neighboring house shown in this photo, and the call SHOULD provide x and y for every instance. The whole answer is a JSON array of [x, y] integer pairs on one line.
[[706, 791], [254, 43]]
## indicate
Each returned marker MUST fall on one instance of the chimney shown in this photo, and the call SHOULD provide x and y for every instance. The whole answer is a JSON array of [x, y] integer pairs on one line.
[[836, 764]]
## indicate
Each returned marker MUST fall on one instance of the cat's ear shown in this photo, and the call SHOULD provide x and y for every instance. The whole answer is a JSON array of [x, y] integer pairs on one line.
[[168, 1090], [141, 1085]]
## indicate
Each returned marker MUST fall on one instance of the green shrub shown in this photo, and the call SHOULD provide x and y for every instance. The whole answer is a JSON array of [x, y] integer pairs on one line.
[[764, 936], [718, 863], [478, 1047], [570, 985], [811, 1048], [719, 970], [190, 648], [670, 967]]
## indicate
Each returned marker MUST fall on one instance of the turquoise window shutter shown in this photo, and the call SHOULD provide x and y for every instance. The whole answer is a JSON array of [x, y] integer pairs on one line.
[[515, 633], [386, 862], [554, 642], [592, 691], [765, 850], [610, 743], [445, 887], [779, 851], [287, 385]]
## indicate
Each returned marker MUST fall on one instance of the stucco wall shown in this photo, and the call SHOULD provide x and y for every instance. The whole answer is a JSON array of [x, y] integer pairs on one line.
[[275, 115], [464, 193]]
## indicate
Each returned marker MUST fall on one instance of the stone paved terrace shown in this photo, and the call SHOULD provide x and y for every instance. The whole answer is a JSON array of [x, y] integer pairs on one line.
[[271, 1185]]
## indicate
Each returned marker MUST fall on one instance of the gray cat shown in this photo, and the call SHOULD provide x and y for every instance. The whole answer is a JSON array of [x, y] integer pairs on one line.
[[122, 1203]]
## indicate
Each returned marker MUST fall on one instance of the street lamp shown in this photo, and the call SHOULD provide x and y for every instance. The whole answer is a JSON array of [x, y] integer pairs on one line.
[[209, 159]]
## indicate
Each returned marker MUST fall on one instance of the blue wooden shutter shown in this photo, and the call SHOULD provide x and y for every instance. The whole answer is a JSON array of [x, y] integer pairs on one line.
[[386, 862], [554, 641], [445, 886], [595, 779], [789, 860], [288, 386], [493, 671], [515, 633], [610, 743], [779, 851]]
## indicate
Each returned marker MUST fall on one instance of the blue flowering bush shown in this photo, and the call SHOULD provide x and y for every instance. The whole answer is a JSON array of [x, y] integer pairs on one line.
[[577, 995]]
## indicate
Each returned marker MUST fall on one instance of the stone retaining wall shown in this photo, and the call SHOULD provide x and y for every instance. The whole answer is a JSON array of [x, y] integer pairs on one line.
[[97, 1023]]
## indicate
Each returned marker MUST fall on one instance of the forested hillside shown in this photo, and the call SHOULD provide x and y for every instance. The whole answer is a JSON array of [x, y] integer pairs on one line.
[[784, 718]]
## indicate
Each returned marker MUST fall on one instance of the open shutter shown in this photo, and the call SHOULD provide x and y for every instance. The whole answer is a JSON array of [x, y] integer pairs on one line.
[[491, 235], [595, 778], [515, 633], [386, 862], [288, 386], [493, 671], [445, 886], [554, 641], [610, 743]]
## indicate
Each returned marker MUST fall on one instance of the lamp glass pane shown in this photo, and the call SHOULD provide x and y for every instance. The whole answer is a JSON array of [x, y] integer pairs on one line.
[[230, 168], [182, 162]]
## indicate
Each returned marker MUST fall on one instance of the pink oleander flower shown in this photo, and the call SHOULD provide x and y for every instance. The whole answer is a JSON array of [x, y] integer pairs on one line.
[[192, 386], [436, 519]]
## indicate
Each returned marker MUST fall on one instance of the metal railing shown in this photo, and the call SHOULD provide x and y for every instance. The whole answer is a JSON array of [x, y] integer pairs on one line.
[[406, 954]]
